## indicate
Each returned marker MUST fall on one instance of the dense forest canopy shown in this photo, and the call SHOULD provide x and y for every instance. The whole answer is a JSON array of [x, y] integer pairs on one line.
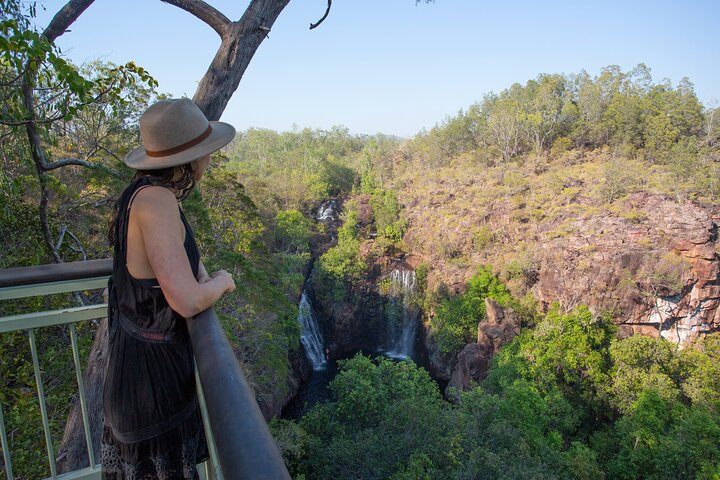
[[563, 400], [554, 113]]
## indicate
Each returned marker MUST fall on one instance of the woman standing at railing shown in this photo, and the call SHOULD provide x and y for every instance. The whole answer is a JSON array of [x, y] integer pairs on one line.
[[153, 427]]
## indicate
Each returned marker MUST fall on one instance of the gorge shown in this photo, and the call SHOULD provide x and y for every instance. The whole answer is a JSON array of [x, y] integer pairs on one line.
[[550, 312]]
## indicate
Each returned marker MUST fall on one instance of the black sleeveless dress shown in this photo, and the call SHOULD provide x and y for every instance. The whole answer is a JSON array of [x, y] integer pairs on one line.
[[153, 426]]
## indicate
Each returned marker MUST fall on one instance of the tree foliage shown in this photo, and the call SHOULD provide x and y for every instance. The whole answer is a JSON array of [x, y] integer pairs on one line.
[[341, 266], [456, 319], [624, 110], [554, 405]]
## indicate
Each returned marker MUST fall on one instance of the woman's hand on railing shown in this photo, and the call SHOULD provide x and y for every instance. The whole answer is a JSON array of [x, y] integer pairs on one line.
[[225, 277]]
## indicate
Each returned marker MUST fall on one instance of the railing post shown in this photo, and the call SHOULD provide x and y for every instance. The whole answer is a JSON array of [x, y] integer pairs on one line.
[[81, 394], [43, 407], [5, 448], [246, 449]]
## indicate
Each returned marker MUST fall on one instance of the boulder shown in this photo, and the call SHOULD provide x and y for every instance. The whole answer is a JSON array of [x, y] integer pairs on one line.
[[499, 327]]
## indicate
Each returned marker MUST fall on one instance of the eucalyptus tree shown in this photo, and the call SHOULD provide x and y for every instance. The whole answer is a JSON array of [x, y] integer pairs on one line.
[[29, 59], [40, 89]]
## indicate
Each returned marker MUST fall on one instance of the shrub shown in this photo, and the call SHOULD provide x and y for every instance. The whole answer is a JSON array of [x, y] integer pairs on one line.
[[292, 230], [456, 319], [482, 237], [560, 146], [341, 266]]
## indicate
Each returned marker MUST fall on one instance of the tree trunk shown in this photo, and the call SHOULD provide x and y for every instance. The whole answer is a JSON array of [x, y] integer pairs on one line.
[[73, 450], [238, 46]]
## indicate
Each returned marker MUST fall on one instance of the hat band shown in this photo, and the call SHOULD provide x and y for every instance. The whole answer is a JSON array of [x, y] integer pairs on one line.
[[180, 148]]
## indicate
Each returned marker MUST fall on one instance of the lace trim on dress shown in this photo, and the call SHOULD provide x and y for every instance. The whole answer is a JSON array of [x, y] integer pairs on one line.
[[174, 463]]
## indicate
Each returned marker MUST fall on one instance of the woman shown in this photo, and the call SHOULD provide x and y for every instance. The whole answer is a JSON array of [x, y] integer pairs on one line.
[[153, 428]]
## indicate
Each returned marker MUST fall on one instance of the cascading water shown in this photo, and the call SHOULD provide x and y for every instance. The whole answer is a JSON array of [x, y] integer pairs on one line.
[[314, 389], [327, 211], [311, 336], [402, 312]]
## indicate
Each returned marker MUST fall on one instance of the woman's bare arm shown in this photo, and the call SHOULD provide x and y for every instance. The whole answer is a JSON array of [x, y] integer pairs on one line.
[[203, 275], [159, 221]]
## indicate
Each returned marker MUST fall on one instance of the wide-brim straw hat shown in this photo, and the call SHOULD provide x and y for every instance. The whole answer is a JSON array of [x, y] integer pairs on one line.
[[175, 132]]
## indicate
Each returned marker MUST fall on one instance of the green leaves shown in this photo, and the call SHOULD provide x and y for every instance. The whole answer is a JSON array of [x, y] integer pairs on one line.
[[456, 319], [542, 413], [623, 110], [61, 90], [386, 418], [292, 230]]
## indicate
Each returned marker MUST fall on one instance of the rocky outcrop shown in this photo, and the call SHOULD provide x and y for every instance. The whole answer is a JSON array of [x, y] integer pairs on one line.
[[649, 259], [351, 324], [271, 404], [439, 364], [658, 274], [499, 327], [358, 321]]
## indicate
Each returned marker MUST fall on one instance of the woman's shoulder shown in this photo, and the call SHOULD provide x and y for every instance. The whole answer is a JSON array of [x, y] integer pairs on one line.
[[155, 195], [154, 202]]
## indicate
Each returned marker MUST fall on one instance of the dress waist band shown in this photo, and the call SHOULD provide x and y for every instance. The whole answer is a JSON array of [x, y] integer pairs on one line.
[[144, 334], [158, 428]]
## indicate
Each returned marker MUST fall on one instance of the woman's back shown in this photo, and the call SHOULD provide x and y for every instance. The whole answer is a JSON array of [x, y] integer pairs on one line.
[[149, 392]]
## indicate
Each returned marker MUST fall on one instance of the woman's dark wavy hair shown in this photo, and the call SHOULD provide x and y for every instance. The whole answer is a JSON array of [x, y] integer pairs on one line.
[[182, 185]]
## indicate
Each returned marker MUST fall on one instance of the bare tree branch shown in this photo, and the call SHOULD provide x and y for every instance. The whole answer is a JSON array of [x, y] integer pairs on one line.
[[17, 123], [100, 147], [14, 81], [313, 25], [61, 237], [44, 200], [207, 13], [66, 17], [77, 249], [66, 162]]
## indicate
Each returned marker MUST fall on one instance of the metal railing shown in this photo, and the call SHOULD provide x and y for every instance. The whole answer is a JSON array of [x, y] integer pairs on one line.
[[240, 443]]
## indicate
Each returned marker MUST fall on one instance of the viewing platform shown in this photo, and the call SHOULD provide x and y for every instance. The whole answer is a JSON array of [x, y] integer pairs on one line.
[[240, 443]]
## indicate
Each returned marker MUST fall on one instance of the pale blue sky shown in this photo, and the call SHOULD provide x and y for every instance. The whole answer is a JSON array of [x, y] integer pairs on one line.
[[393, 67]]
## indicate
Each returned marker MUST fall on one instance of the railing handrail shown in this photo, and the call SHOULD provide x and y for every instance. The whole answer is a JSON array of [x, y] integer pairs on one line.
[[246, 448], [55, 272]]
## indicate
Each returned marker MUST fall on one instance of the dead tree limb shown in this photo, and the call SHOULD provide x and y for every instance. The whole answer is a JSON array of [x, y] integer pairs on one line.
[[327, 12], [207, 13]]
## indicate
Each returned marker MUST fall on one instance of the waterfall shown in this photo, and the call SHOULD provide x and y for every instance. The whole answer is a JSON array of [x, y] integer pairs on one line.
[[402, 313], [327, 211], [311, 337]]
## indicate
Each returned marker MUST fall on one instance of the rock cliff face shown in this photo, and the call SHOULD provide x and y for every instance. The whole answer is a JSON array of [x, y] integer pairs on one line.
[[354, 323], [351, 324], [658, 275], [649, 259], [272, 403]]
